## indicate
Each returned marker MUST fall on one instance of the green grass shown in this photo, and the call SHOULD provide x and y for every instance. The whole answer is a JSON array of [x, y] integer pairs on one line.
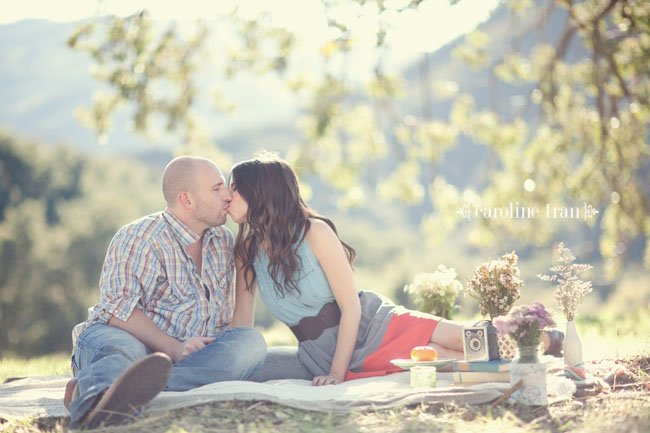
[[47, 365], [626, 409]]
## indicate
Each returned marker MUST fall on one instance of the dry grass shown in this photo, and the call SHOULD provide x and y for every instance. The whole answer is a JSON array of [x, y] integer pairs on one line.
[[626, 408]]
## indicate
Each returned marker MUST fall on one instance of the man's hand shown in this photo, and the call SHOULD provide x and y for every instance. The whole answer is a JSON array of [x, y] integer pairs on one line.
[[190, 346], [143, 328]]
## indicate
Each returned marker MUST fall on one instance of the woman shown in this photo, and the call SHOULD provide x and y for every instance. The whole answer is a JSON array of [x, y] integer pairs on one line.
[[302, 270]]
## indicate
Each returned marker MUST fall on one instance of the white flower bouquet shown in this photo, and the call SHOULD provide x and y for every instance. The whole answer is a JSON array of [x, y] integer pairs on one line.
[[436, 292]]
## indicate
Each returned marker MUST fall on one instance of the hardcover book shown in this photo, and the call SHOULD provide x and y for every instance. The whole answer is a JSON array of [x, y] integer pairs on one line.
[[496, 365], [474, 377]]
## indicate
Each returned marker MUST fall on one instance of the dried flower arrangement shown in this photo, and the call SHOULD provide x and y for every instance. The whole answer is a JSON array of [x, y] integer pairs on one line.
[[496, 285]]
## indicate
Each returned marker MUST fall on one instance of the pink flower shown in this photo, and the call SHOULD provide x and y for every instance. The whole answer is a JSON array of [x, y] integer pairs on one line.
[[525, 323]]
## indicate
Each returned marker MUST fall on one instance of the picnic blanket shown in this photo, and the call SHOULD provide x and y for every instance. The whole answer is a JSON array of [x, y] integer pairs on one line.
[[42, 396]]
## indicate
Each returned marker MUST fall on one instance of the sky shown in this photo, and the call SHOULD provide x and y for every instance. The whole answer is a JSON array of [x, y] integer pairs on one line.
[[436, 21], [425, 29]]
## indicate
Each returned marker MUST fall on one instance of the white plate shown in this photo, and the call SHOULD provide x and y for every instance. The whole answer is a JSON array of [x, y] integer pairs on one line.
[[406, 364]]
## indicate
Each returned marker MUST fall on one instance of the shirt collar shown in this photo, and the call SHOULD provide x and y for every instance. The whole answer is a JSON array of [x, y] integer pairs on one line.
[[181, 231]]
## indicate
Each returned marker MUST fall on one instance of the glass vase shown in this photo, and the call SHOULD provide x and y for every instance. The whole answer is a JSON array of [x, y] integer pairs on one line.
[[528, 354], [572, 345]]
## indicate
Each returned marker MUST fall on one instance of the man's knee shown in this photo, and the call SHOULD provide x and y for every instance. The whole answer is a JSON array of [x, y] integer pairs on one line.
[[254, 341], [251, 336], [130, 353], [250, 346], [107, 341]]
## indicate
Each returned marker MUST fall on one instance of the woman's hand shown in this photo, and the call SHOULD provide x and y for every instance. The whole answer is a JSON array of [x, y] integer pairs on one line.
[[326, 380], [331, 256]]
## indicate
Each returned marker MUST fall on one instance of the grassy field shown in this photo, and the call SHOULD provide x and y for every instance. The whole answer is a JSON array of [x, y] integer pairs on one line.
[[626, 408]]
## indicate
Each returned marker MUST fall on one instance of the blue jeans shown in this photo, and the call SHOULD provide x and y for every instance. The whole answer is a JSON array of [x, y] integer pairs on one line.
[[103, 352]]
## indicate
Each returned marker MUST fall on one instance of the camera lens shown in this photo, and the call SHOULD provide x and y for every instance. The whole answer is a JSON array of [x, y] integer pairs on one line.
[[475, 344]]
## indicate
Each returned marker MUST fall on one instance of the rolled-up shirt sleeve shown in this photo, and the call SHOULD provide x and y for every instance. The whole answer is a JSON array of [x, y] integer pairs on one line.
[[128, 274]]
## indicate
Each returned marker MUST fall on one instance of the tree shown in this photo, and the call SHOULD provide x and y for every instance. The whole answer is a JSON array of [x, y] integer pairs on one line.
[[58, 211], [579, 137]]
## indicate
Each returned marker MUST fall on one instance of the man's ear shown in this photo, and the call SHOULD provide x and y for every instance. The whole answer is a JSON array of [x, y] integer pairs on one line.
[[185, 199]]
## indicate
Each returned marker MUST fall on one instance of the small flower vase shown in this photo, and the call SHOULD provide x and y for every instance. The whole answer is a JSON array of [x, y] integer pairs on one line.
[[527, 354], [533, 376], [527, 368], [572, 345]]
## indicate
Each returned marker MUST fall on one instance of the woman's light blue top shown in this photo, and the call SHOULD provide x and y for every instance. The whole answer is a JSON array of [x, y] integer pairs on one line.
[[314, 289]]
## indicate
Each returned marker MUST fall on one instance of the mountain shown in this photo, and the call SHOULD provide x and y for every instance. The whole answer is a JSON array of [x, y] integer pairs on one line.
[[44, 82]]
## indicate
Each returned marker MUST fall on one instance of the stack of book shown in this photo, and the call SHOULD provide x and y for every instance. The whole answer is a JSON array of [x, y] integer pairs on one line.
[[466, 373]]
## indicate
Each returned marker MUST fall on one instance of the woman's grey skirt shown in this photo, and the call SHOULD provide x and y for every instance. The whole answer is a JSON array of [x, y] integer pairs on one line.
[[376, 313]]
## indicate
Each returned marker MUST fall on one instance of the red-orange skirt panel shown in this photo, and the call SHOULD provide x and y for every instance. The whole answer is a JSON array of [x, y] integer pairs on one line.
[[405, 331]]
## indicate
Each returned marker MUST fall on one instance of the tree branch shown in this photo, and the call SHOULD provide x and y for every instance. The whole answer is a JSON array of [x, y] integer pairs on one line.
[[621, 81]]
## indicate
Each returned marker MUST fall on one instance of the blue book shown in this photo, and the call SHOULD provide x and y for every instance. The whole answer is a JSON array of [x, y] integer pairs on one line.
[[495, 365]]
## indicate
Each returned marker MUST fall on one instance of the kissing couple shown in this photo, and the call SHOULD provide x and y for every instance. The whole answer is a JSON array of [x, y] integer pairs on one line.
[[177, 297]]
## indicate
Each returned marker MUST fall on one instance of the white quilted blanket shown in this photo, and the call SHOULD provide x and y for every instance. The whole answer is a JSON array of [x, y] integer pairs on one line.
[[42, 396]]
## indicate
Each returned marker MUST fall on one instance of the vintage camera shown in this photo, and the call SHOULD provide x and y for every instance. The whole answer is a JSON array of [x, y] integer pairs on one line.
[[480, 342]]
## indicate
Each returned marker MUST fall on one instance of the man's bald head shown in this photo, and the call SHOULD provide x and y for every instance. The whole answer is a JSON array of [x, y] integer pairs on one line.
[[181, 174]]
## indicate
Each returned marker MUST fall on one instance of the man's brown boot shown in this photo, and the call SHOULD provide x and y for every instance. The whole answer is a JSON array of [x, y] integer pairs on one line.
[[134, 388], [71, 392]]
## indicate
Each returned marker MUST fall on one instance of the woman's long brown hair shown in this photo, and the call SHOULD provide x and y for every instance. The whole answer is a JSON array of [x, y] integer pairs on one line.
[[277, 218]]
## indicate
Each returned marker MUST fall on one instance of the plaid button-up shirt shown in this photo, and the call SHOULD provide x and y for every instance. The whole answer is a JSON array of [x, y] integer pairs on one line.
[[147, 267]]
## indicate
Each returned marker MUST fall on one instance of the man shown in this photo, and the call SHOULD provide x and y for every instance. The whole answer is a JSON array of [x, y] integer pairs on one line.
[[166, 300]]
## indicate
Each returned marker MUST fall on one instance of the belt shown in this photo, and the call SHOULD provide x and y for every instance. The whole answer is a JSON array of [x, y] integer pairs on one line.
[[310, 328]]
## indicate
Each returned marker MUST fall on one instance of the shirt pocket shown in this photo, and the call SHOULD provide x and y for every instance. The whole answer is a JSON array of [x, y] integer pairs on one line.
[[176, 296], [222, 288]]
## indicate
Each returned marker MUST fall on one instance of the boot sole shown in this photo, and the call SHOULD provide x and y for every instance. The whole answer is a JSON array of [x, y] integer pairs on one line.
[[134, 388]]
